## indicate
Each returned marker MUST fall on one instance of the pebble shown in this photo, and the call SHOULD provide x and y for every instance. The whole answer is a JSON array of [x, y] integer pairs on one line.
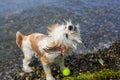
[[78, 64], [21, 73]]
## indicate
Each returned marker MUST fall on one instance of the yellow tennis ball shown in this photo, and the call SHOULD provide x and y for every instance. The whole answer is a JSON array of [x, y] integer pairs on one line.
[[66, 72]]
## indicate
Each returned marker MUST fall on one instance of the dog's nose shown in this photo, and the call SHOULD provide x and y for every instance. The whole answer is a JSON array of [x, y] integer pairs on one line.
[[66, 35], [70, 27]]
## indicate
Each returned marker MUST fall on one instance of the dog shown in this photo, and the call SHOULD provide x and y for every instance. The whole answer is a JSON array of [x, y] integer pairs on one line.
[[60, 41]]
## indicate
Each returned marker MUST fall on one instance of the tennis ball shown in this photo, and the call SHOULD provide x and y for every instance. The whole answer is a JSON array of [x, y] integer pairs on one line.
[[66, 72]]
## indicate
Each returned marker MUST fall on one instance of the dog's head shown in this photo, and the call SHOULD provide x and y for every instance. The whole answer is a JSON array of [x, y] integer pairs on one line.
[[66, 34], [72, 32]]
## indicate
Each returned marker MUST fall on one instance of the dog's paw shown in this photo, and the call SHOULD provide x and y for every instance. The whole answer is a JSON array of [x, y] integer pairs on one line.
[[50, 78], [27, 70]]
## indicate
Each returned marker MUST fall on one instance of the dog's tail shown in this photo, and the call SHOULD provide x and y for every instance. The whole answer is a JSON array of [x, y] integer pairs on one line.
[[19, 38]]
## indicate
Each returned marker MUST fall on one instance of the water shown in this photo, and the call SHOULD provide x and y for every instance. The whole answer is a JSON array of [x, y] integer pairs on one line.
[[7, 6], [99, 19], [13, 6]]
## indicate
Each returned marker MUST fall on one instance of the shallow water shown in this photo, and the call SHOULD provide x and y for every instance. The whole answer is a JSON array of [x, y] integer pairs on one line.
[[99, 20]]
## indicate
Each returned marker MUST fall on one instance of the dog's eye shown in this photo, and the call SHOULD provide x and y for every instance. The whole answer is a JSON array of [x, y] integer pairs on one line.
[[70, 27], [75, 28]]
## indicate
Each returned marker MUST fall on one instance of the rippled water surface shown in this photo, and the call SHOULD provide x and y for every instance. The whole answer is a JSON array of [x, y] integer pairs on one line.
[[99, 23], [99, 19]]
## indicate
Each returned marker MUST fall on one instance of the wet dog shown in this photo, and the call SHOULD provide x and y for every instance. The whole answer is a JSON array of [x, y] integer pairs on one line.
[[61, 40]]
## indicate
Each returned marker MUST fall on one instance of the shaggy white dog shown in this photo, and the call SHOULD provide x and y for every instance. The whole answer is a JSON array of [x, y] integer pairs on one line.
[[61, 40]]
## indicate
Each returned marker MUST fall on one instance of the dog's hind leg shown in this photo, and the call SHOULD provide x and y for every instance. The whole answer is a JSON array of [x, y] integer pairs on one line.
[[28, 54], [46, 68]]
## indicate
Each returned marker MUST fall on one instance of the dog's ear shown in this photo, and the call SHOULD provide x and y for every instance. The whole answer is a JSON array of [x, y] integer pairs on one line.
[[19, 38], [52, 27]]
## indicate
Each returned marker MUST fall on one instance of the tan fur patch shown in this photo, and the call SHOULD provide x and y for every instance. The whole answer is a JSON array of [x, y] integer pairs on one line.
[[34, 39], [25, 38], [44, 59], [19, 38], [66, 50]]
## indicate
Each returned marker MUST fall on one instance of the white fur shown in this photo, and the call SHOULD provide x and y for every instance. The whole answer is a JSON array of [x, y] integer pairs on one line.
[[58, 35], [28, 54]]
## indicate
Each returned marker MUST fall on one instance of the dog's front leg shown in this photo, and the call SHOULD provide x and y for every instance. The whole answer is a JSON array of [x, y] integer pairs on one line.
[[47, 70], [61, 63]]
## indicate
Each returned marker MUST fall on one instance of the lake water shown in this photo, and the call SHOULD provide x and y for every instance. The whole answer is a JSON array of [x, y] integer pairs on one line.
[[7, 6], [99, 19]]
